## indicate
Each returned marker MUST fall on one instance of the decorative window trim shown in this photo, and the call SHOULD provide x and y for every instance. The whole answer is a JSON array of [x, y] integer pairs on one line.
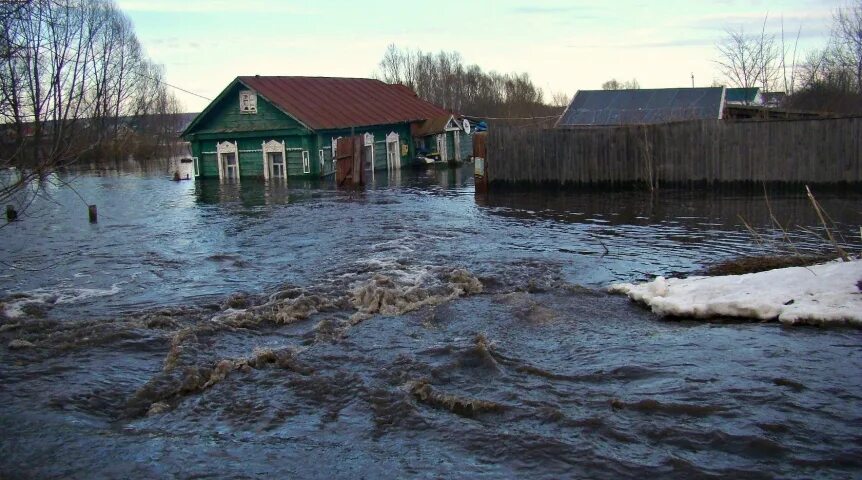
[[306, 163], [322, 160], [272, 146], [247, 102], [226, 147], [452, 125], [197, 164], [393, 163], [368, 139]]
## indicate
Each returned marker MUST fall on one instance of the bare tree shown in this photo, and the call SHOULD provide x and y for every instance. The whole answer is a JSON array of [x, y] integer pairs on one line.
[[560, 99], [830, 79], [445, 80], [73, 81], [614, 84], [749, 61], [847, 38]]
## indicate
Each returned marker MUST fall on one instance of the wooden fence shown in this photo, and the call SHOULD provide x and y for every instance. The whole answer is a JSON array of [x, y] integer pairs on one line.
[[823, 151]]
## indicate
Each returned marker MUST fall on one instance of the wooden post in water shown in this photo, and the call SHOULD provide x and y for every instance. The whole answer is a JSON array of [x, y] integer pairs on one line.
[[94, 216], [11, 213]]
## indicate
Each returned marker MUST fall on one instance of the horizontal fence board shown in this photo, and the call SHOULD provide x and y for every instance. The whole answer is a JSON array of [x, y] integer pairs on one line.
[[710, 151]]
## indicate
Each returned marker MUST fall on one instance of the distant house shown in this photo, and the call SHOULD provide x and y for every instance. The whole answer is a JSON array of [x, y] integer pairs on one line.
[[743, 96], [642, 106], [275, 127], [444, 137]]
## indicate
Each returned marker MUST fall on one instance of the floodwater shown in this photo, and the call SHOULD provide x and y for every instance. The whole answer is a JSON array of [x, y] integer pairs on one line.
[[411, 329]]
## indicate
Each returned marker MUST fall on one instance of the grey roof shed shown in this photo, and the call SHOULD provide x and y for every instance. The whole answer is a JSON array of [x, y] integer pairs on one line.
[[643, 106]]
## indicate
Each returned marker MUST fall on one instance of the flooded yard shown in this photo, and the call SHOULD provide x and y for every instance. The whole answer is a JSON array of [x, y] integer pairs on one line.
[[411, 329]]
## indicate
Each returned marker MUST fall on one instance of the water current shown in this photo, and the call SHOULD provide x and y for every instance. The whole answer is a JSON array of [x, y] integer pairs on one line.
[[411, 329]]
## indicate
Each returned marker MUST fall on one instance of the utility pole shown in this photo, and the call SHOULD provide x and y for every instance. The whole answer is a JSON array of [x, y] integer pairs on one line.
[[692, 79]]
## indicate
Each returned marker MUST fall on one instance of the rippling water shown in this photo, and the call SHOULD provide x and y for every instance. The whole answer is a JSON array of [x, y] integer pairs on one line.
[[411, 329]]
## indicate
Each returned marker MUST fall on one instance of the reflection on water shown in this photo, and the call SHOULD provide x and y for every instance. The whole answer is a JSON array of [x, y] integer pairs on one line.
[[405, 329]]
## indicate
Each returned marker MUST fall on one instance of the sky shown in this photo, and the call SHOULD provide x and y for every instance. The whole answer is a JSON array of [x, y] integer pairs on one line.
[[563, 45]]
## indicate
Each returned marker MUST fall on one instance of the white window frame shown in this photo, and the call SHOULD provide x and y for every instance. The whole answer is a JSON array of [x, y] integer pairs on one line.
[[223, 148], [322, 160], [247, 102], [393, 158], [273, 146], [306, 162], [197, 164]]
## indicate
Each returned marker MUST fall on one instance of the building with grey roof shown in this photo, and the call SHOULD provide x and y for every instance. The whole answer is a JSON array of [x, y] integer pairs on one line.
[[643, 106]]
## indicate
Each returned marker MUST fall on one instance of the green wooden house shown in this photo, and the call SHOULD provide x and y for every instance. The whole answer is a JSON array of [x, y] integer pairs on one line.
[[279, 127]]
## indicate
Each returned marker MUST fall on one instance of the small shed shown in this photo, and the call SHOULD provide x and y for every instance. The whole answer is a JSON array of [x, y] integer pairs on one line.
[[642, 106], [279, 127], [444, 137], [743, 96]]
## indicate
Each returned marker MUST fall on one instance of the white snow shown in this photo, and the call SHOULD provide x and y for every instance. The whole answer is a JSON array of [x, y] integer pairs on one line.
[[825, 294]]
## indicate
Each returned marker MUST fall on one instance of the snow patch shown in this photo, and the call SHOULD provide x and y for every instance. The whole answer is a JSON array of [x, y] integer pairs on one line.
[[825, 294]]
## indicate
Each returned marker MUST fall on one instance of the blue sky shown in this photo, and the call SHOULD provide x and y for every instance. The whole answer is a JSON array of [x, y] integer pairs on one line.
[[563, 45]]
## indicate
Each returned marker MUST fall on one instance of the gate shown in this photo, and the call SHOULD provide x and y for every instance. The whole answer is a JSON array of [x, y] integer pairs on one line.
[[348, 161]]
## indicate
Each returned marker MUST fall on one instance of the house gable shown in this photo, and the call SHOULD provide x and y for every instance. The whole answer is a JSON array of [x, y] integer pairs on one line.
[[224, 115]]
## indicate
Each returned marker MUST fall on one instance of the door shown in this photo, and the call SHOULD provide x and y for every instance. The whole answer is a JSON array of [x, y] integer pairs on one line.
[[349, 161], [441, 147]]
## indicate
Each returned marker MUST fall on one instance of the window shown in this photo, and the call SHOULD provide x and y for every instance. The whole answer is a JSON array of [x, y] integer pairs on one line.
[[276, 161], [393, 159], [320, 154], [228, 162], [231, 167], [247, 102], [306, 164]]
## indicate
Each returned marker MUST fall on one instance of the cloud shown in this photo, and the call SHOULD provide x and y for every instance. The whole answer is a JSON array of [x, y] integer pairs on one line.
[[210, 6], [538, 10], [807, 19], [682, 43]]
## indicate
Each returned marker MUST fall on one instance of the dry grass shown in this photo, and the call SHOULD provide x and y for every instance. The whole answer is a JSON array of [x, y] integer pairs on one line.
[[739, 266]]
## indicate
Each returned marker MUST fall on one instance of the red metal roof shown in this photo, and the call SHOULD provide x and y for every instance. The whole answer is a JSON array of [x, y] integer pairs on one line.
[[330, 102]]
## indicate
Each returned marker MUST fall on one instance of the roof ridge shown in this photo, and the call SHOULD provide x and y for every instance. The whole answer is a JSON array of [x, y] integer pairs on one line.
[[313, 76]]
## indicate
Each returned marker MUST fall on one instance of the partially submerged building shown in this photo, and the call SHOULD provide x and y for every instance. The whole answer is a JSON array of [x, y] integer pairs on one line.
[[642, 106], [275, 127], [743, 96], [444, 138]]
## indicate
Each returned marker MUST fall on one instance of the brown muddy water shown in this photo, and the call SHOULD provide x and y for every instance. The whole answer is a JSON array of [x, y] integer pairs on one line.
[[408, 330]]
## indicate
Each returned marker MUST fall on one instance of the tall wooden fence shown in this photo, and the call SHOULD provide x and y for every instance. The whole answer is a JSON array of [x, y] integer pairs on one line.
[[712, 151]]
